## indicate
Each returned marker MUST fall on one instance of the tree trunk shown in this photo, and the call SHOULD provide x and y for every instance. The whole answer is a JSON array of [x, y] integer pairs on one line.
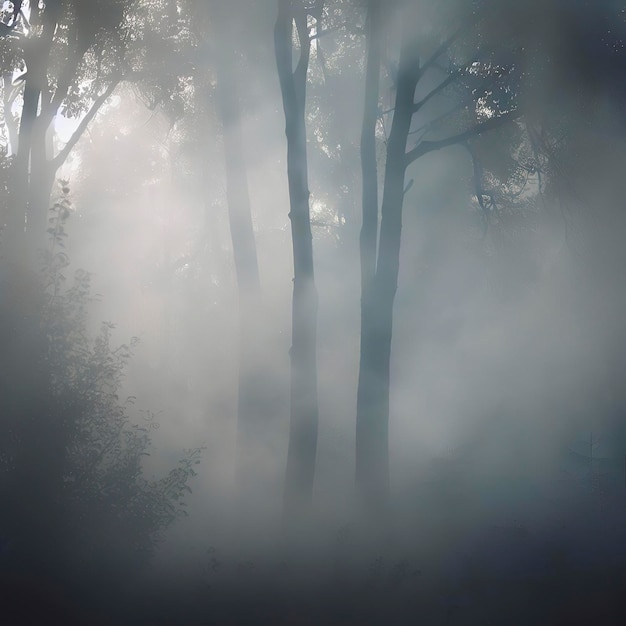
[[41, 180], [239, 213], [304, 408], [369, 169], [32, 183], [369, 228], [16, 219], [252, 394], [380, 284], [31, 134]]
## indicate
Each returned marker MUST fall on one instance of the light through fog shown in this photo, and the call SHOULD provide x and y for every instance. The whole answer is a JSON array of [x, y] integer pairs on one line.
[[506, 432]]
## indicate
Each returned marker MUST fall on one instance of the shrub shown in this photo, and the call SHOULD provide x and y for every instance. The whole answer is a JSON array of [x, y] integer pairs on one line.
[[74, 500]]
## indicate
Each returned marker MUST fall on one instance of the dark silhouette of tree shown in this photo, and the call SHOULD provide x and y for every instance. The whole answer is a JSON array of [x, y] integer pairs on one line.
[[369, 228], [475, 79], [304, 406]]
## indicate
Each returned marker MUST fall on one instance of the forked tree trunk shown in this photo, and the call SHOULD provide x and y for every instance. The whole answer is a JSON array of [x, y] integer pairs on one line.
[[304, 407], [35, 167], [27, 184], [379, 289], [380, 284], [16, 218]]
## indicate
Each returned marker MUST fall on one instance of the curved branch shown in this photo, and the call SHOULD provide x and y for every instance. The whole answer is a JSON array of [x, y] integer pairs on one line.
[[443, 46], [452, 76], [60, 158], [424, 147]]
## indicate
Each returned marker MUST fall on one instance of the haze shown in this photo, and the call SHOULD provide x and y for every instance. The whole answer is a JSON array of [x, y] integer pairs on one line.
[[500, 494]]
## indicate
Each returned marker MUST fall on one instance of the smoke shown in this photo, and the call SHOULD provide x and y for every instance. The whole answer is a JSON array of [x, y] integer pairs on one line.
[[507, 349]]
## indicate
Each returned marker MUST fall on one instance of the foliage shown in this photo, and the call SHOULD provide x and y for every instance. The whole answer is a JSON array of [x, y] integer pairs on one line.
[[75, 501]]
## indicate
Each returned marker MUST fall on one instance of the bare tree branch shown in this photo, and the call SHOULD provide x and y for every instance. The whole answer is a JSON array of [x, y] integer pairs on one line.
[[442, 47], [452, 76], [461, 104], [466, 24], [60, 158], [424, 147], [433, 92]]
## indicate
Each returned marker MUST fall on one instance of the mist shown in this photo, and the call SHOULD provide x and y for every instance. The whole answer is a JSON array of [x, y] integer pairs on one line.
[[165, 481]]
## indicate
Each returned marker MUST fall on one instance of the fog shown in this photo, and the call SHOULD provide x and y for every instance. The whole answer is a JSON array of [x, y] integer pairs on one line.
[[506, 403]]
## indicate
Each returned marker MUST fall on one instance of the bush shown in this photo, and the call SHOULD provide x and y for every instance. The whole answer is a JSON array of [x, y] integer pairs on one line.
[[74, 501]]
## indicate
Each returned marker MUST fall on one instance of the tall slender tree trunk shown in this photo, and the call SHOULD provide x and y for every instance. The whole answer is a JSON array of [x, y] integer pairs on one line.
[[251, 395], [304, 407], [31, 171], [22, 341], [42, 175], [369, 227], [16, 219], [32, 183], [369, 168], [379, 289]]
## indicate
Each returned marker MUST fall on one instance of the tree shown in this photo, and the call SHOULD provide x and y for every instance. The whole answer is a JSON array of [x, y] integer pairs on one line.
[[250, 393], [369, 228], [304, 406], [215, 28], [53, 46], [484, 102], [73, 55], [76, 504]]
